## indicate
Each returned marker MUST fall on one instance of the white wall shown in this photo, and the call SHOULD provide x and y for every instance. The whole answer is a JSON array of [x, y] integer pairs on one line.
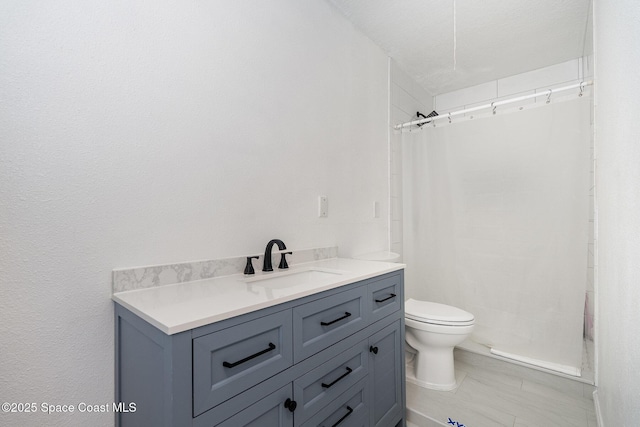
[[531, 82], [407, 98], [137, 133], [617, 37]]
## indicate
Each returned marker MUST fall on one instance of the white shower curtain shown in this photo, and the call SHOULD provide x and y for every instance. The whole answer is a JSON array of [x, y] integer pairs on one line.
[[495, 221]]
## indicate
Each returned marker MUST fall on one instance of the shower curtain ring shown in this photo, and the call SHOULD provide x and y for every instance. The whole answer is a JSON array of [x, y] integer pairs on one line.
[[449, 118], [493, 108], [581, 89], [549, 97]]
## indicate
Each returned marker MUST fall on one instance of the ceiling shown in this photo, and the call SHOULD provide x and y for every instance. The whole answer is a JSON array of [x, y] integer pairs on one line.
[[493, 38]]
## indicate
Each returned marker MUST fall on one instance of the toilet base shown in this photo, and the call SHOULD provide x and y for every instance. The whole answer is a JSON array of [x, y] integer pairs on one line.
[[434, 369], [411, 378]]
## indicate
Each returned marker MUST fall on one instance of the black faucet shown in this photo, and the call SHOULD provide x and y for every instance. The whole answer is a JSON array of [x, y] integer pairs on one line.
[[266, 266]]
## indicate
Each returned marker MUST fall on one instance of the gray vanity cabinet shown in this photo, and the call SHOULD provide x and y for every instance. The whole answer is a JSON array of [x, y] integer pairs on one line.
[[385, 296], [386, 374], [234, 359], [324, 384], [268, 411], [350, 410], [334, 358], [320, 323]]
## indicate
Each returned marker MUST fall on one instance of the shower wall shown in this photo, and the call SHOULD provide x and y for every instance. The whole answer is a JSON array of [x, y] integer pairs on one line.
[[406, 99]]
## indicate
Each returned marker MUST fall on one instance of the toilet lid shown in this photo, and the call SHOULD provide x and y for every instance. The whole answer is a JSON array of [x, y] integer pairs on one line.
[[432, 312]]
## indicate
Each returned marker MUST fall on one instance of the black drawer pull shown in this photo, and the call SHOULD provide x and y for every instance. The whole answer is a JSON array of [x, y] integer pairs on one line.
[[350, 409], [346, 314], [253, 356], [349, 370], [373, 349], [389, 297]]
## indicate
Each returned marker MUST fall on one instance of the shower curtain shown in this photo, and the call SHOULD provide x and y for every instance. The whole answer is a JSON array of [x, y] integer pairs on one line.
[[495, 221]]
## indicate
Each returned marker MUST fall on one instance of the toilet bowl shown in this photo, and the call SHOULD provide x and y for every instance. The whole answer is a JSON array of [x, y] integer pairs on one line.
[[433, 330]]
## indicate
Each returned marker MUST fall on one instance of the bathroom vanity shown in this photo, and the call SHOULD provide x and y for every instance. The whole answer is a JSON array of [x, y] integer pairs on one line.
[[320, 344]]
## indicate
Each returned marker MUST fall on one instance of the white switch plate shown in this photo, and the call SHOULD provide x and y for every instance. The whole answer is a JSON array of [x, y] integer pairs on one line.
[[323, 207]]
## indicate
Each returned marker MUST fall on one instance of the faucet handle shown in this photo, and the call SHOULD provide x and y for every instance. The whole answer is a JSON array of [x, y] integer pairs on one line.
[[249, 267], [283, 261]]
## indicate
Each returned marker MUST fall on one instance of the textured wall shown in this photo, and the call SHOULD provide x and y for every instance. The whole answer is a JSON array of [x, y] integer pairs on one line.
[[137, 133], [407, 98], [617, 37]]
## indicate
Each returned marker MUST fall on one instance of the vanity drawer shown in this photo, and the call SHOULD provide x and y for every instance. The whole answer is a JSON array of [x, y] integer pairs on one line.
[[268, 411], [234, 359], [351, 409], [325, 383], [321, 323], [385, 296]]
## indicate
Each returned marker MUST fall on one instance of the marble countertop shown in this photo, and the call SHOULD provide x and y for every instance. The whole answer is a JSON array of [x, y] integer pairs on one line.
[[183, 306]]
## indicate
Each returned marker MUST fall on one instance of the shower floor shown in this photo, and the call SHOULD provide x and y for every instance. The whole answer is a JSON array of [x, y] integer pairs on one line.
[[493, 392]]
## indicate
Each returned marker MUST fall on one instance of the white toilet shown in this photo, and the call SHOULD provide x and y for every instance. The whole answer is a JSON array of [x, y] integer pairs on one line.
[[433, 330]]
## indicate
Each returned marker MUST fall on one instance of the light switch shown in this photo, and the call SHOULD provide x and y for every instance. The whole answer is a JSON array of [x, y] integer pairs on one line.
[[323, 207]]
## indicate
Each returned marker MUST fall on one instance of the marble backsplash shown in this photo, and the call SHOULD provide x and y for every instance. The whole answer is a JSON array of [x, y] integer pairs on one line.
[[159, 275]]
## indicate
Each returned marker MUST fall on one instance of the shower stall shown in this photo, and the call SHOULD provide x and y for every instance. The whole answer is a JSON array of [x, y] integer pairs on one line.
[[497, 218]]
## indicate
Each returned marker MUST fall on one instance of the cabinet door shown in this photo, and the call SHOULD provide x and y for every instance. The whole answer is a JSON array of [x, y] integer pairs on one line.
[[269, 411], [385, 367]]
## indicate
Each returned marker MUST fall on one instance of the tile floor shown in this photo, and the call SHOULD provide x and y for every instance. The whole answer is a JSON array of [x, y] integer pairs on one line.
[[492, 392]]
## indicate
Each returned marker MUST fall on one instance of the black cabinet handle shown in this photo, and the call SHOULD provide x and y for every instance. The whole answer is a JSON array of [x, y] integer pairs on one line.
[[373, 350], [389, 297], [349, 370], [253, 356], [350, 410], [291, 405], [346, 314]]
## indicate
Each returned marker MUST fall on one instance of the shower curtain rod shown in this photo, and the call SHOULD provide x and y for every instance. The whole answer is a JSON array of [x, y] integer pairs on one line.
[[495, 104]]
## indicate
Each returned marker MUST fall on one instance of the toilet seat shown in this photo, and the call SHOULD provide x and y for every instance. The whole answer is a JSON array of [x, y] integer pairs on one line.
[[437, 314]]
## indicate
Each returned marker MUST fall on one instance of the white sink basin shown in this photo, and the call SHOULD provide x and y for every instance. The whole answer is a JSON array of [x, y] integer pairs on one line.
[[310, 276]]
